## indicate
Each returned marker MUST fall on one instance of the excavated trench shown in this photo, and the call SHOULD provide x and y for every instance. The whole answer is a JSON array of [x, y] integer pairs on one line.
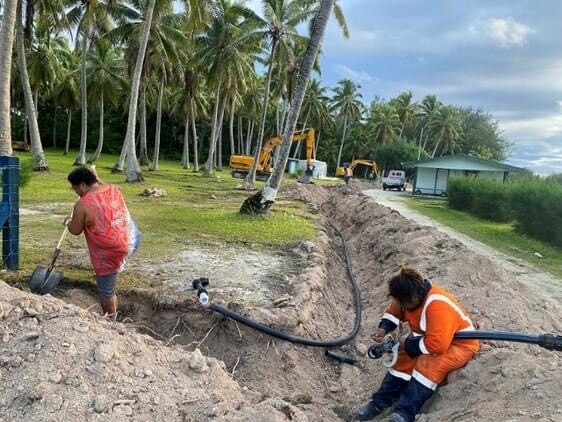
[[312, 304]]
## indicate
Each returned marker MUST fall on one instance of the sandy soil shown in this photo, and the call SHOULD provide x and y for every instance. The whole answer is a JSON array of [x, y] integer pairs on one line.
[[171, 359]]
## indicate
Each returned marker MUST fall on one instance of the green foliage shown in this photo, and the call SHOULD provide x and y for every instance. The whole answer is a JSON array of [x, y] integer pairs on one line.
[[26, 171], [534, 204], [537, 206], [481, 196], [555, 178], [392, 155]]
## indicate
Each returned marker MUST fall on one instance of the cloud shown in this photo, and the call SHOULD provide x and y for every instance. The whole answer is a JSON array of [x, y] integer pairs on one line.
[[507, 32], [361, 77]]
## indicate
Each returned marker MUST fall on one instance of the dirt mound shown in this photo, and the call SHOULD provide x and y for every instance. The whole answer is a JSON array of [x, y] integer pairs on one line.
[[62, 363], [506, 381]]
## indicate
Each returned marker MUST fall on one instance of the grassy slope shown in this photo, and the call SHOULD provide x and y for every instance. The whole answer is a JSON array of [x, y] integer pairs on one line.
[[196, 209], [501, 236]]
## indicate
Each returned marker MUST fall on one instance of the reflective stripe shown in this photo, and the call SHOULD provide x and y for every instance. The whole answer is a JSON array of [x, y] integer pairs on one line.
[[398, 374], [424, 381], [423, 348], [391, 318], [433, 297]]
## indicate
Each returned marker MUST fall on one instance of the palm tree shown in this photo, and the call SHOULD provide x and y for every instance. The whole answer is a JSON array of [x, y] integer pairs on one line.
[[281, 20], [406, 109], [446, 126], [6, 44], [134, 172], [66, 92], [316, 107], [384, 122], [264, 198], [92, 16], [105, 75], [230, 40], [346, 102], [428, 106], [39, 161]]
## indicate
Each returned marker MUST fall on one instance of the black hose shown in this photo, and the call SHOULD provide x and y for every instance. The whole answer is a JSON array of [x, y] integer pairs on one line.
[[302, 340], [547, 341]]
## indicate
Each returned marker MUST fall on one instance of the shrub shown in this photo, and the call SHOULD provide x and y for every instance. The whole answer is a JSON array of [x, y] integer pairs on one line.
[[26, 171], [537, 207], [483, 197], [460, 193]]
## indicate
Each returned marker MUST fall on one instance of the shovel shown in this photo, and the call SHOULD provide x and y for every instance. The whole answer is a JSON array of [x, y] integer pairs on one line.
[[44, 280]]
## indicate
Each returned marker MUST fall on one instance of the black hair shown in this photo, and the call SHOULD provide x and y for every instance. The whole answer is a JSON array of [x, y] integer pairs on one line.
[[82, 174], [407, 285]]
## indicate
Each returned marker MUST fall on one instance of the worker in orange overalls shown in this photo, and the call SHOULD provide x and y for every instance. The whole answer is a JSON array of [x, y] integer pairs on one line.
[[428, 354]]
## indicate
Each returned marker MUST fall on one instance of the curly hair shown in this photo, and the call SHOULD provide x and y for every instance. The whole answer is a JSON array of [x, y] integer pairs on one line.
[[82, 174], [406, 285]]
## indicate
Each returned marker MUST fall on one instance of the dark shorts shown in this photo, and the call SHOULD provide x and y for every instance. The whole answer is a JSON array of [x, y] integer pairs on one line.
[[106, 285]]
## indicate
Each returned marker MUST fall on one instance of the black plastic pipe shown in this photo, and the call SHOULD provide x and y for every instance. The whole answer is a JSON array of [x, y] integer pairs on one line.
[[548, 341], [291, 337]]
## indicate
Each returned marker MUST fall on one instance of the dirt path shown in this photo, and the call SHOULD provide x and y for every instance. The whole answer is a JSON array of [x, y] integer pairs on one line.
[[542, 283]]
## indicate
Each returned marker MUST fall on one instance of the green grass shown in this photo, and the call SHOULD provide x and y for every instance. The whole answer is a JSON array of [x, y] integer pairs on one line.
[[197, 209], [501, 236]]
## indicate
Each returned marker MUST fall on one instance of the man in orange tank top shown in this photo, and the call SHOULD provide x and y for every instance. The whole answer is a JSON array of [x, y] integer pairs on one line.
[[110, 231], [428, 354]]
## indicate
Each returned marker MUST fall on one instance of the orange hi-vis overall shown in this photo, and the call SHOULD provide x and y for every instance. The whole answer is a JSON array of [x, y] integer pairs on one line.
[[433, 324]]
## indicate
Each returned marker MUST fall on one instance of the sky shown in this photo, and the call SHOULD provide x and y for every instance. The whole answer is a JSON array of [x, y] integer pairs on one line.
[[502, 56]]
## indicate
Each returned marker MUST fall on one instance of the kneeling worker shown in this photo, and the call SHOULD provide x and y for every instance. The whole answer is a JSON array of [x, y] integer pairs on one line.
[[428, 354]]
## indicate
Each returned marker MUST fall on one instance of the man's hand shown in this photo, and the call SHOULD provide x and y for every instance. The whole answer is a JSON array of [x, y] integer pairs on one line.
[[378, 335], [66, 221]]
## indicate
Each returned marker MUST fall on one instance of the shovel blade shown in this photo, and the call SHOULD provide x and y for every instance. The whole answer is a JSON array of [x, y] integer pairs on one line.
[[43, 282]]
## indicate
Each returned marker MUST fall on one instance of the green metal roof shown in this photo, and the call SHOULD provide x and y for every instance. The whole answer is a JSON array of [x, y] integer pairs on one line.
[[441, 162]]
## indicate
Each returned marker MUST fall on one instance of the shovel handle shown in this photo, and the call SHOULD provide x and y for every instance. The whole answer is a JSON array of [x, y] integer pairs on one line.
[[64, 233]]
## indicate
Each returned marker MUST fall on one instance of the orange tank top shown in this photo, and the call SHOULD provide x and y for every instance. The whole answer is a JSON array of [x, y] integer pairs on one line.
[[108, 238]]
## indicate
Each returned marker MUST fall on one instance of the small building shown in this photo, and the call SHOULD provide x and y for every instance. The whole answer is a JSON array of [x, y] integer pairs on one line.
[[431, 177], [320, 167]]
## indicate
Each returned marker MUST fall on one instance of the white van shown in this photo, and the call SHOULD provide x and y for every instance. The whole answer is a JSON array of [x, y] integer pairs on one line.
[[394, 179]]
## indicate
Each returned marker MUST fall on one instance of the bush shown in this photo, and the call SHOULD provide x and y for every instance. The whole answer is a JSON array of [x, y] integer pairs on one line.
[[460, 193], [537, 207], [483, 197], [26, 171]]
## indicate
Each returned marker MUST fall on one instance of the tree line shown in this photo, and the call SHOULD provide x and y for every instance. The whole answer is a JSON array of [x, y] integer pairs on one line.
[[198, 93]]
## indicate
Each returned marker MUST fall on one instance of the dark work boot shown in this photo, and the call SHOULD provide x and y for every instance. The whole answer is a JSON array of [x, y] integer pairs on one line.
[[410, 402], [384, 397], [368, 411]]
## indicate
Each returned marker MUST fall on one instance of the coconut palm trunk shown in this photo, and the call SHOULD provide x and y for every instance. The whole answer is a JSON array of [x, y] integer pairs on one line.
[[264, 198], [68, 125], [143, 151], [96, 155], [194, 133], [209, 162], [134, 172], [156, 153], [39, 160], [342, 140], [250, 180], [81, 158], [231, 127], [6, 45], [185, 151], [219, 135]]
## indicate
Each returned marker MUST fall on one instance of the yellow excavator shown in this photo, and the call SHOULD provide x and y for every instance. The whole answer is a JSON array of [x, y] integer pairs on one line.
[[374, 168], [242, 164]]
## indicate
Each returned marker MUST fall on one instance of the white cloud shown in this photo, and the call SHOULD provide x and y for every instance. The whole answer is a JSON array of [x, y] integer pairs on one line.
[[507, 32], [361, 77]]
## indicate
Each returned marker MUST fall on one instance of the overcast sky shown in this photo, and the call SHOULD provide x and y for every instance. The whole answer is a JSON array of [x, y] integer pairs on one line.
[[504, 56]]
